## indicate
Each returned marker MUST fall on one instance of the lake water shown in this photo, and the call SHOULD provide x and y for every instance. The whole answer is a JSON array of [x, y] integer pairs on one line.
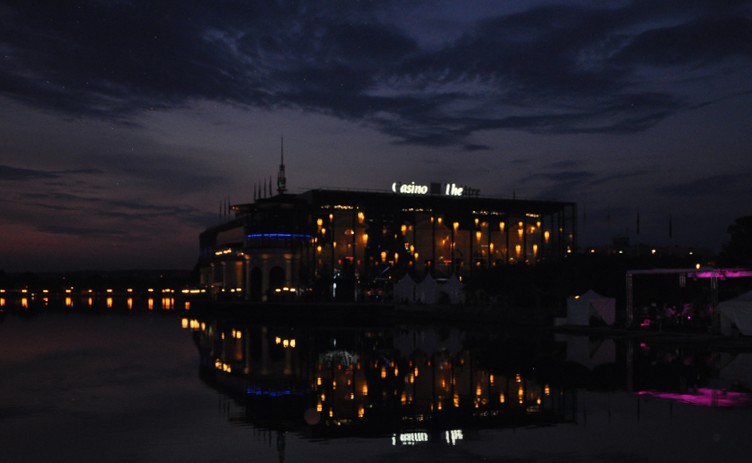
[[145, 386]]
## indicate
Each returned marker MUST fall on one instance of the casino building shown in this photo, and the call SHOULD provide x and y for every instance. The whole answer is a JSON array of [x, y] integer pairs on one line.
[[327, 244]]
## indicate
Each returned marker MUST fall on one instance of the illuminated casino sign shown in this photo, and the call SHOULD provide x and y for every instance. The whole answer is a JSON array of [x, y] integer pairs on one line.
[[447, 189]]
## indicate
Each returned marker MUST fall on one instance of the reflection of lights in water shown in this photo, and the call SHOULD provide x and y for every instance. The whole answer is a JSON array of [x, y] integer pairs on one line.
[[453, 436]]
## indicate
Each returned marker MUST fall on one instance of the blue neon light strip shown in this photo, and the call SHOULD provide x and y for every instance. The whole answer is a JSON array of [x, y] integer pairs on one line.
[[279, 235]]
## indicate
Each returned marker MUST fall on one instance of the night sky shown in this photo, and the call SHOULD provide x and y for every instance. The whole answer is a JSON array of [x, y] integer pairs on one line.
[[124, 125]]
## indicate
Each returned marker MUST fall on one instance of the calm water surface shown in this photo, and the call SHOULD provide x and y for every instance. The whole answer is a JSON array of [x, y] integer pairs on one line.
[[152, 387]]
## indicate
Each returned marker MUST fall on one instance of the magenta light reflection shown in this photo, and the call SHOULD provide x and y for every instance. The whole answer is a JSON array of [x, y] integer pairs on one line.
[[706, 397]]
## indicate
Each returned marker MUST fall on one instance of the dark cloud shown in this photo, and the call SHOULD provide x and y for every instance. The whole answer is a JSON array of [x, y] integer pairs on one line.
[[703, 41], [83, 232], [8, 173], [551, 69], [724, 186]]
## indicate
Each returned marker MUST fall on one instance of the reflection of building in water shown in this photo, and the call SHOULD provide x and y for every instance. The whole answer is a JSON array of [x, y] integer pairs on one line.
[[346, 244], [372, 381]]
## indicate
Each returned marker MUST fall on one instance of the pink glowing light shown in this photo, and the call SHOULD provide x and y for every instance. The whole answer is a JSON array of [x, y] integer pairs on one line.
[[705, 397]]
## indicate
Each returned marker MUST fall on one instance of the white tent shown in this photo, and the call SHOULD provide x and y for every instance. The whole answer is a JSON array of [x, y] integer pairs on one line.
[[737, 313], [427, 290], [591, 304], [404, 290], [453, 288]]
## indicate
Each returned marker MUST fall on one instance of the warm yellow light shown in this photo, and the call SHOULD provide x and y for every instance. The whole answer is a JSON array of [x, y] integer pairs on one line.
[[364, 389], [546, 236], [323, 231], [277, 340], [456, 225], [361, 217], [478, 235], [547, 389], [502, 225], [478, 390], [476, 221], [361, 411], [292, 343], [502, 398], [383, 372], [491, 380], [697, 266], [440, 220], [535, 249], [319, 407], [365, 238], [518, 249], [403, 229], [319, 222], [383, 256], [184, 323]]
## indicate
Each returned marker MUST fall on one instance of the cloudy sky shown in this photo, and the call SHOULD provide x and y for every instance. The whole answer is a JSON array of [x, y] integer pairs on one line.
[[124, 125]]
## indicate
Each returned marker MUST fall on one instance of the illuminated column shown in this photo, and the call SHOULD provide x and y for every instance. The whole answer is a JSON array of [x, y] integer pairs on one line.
[[237, 274], [288, 270], [247, 285]]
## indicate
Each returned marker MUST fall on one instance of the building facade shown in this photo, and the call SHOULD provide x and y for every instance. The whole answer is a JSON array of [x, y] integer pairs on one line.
[[329, 244]]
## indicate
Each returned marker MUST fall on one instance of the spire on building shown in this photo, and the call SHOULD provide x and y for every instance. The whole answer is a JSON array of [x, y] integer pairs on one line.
[[281, 180]]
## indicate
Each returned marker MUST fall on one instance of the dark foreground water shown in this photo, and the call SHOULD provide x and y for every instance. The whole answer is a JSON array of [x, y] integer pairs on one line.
[[151, 387]]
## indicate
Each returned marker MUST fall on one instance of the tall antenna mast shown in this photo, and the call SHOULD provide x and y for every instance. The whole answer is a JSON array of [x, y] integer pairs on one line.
[[281, 180]]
